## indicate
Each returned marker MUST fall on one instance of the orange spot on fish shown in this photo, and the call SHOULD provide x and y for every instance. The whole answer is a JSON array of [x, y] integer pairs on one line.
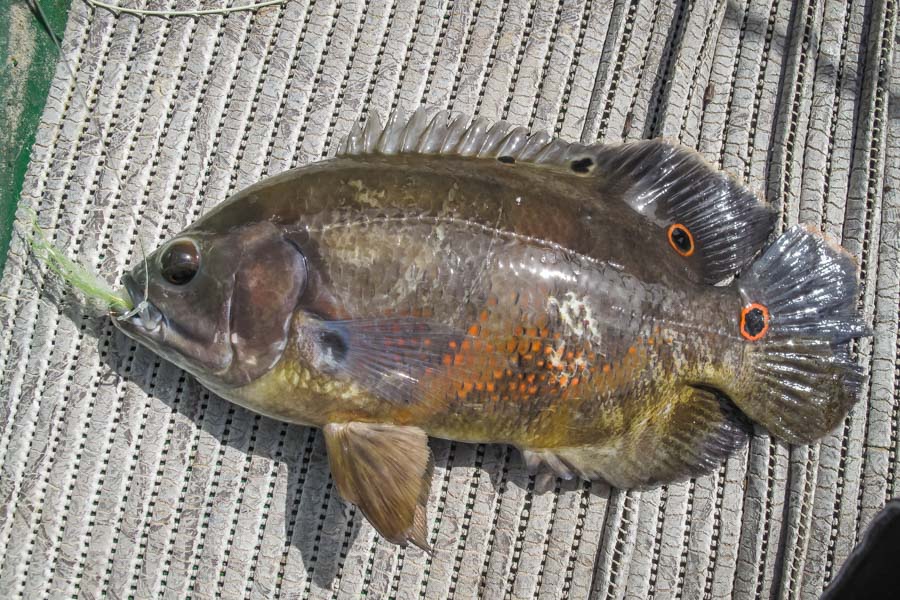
[[453, 344], [563, 381], [535, 346], [607, 368], [466, 345], [458, 359], [632, 350], [511, 346], [531, 332], [447, 359], [498, 374], [426, 342], [483, 316], [468, 386], [473, 330], [490, 386], [575, 381], [522, 388], [532, 390], [530, 378], [548, 350], [519, 331], [570, 355]]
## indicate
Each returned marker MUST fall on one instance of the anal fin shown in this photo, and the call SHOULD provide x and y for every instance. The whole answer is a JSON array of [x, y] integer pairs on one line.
[[693, 435], [386, 471]]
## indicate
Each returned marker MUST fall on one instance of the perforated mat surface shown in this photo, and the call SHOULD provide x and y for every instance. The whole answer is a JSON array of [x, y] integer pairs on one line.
[[122, 477]]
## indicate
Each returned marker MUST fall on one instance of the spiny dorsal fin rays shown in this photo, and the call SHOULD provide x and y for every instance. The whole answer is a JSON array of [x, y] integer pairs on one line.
[[442, 132]]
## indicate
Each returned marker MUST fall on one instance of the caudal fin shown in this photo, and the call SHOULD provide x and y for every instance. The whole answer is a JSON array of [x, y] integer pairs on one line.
[[799, 316]]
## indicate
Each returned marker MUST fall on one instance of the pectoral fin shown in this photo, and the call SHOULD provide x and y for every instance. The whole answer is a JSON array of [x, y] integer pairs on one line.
[[386, 471]]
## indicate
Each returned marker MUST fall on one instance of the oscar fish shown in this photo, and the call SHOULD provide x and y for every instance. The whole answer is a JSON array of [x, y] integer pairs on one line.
[[616, 312]]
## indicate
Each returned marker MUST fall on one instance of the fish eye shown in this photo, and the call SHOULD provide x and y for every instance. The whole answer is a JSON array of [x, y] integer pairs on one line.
[[180, 262], [680, 239], [754, 321]]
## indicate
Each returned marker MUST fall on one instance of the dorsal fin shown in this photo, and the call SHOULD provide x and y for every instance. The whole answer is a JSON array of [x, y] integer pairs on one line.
[[442, 132], [712, 221]]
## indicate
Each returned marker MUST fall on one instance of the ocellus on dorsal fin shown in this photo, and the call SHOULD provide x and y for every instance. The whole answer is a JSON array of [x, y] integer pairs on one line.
[[720, 224]]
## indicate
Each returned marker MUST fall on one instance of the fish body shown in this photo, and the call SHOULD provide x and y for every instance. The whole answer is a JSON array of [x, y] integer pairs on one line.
[[544, 345], [478, 283]]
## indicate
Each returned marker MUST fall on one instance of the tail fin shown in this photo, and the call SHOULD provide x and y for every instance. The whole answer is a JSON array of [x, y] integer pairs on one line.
[[800, 316]]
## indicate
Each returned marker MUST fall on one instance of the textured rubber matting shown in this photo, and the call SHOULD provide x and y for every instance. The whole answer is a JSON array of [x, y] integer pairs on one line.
[[122, 477]]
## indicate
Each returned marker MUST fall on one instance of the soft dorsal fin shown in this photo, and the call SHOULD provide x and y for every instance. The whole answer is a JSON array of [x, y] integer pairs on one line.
[[716, 225], [708, 218]]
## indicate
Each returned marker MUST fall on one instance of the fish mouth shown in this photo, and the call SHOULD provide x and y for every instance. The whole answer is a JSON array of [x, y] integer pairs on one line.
[[144, 317]]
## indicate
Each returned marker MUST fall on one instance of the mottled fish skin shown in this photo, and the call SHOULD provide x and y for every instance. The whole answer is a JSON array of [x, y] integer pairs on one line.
[[478, 283]]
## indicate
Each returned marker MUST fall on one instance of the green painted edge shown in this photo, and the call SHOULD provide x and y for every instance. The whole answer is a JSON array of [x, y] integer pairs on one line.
[[28, 59]]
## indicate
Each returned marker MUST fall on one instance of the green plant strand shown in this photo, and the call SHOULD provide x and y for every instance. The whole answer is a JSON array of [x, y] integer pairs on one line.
[[76, 275]]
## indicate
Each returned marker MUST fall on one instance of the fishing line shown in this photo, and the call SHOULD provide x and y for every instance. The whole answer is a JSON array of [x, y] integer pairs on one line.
[[181, 13], [142, 306]]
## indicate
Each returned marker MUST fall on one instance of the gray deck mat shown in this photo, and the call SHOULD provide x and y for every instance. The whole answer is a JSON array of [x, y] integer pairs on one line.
[[122, 477]]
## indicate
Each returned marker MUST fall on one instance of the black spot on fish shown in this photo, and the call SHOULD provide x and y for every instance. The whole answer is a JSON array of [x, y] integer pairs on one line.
[[583, 165], [334, 343], [681, 239], [754, 322], [506, 159]]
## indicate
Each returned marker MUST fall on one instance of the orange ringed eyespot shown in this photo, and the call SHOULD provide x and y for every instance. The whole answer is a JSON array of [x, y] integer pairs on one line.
[[754, 321], [680, 239]]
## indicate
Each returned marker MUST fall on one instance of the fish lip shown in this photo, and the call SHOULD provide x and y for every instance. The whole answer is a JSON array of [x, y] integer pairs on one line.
[[149, 320]]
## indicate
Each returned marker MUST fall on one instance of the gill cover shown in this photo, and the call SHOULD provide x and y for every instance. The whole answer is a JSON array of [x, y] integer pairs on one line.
[[268, 282]]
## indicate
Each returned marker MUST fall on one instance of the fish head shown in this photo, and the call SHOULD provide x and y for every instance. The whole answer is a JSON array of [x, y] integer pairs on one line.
[[217, 303]]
